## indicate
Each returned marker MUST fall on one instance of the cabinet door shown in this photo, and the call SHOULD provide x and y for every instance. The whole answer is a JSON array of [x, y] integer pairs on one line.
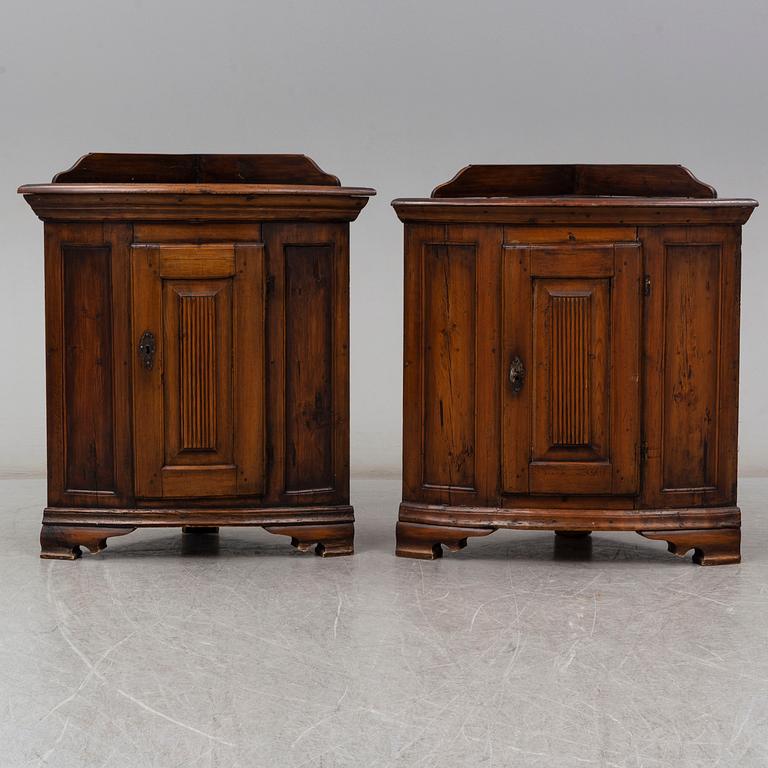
[[570, 405], [198, 381]]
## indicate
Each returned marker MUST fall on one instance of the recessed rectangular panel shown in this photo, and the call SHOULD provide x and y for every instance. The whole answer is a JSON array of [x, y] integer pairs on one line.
[[309, 416], [571, 369], [197, 377], [190, 261], [569, 375], [449, 327], [576, 261], [692, 320], [88, 373], [198, 358]]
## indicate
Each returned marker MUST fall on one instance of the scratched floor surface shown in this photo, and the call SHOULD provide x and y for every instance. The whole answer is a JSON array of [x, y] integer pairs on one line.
[[511, 653]]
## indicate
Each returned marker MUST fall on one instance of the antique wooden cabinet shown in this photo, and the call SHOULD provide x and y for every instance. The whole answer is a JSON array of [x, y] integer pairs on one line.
[[571, 357], [197, 347]]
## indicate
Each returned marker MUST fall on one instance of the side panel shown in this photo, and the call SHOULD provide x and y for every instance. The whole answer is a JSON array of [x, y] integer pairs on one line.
[[308, 362], [691, 365], [449, 318], [309, 367], [452, 311], [88, 375]]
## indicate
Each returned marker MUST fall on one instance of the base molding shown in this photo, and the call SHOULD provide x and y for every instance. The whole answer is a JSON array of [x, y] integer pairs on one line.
[[572, 519], [712, 532], [716, 546], [66, 529], [328, 540], [426, 542], [64, 542]]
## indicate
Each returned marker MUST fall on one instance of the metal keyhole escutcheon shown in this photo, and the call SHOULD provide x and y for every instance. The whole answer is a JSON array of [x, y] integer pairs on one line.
[[147, 349], [516, 374]]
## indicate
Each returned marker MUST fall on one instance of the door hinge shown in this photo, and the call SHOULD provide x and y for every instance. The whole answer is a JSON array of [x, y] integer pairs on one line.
[[647, 285]]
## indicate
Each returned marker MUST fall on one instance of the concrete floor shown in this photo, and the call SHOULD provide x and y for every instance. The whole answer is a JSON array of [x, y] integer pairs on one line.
[[510, 653]]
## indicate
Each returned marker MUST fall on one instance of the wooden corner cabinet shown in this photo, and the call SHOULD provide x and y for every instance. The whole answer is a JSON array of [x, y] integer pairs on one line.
[[197, 347], [571, 357]]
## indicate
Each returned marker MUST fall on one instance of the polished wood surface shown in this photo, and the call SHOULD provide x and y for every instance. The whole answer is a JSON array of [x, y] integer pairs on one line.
[[197, 339], [574, 180], [571, 356], [106, 167]]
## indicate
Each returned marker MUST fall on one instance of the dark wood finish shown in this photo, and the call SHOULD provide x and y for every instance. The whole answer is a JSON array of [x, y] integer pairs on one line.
[[308, 417], [232, 272], [571, 355], [151, 514], [574, 180], [147, 203], [106, 167]]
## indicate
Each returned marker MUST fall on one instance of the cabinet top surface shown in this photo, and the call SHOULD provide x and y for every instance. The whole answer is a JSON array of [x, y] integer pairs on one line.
[[593, 193], [144, 186]]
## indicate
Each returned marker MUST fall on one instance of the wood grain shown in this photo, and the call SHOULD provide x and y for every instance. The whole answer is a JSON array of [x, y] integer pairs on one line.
[[307, 309], [309, 370], [449, 365], [691, 377], [100, 438], [88, 368]]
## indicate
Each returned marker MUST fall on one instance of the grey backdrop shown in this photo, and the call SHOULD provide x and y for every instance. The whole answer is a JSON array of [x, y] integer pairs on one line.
[[392, 94]]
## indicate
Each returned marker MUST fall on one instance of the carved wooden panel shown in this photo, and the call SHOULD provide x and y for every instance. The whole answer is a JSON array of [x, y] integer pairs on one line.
[[570, 369], [569, 377], [691, 380], [572, 314], [197, 371], [199, 410], [449, 322], [198, 353]]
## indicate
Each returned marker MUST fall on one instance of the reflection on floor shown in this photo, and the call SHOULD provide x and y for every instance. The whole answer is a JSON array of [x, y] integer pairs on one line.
[[521, 650]]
